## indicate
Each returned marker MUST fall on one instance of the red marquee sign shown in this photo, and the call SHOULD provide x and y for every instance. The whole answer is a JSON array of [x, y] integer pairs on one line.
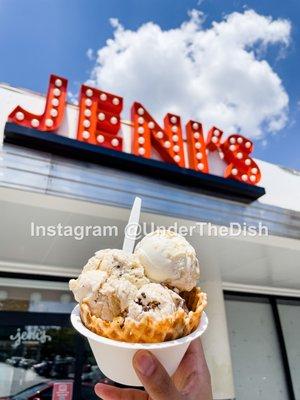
[[99, 123]]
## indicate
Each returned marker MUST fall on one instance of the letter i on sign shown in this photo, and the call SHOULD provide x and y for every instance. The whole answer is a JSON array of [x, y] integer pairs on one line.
[[196, 147], [53, 114], [146, 133], [99, 118]]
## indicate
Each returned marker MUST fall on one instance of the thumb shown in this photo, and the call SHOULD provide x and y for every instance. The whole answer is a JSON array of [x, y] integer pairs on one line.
[[154, 377]]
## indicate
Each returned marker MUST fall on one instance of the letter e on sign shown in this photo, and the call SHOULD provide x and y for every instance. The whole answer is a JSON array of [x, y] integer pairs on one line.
[[99, 118]]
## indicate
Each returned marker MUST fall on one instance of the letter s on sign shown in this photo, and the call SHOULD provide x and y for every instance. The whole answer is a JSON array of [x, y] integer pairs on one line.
[[236, 150]]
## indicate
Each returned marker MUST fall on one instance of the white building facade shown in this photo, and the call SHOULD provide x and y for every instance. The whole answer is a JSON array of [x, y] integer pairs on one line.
[[252, 281]]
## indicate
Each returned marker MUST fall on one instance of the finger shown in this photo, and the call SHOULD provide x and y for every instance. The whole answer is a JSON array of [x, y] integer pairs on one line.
[[195, 357], [186, 372], [107, 392], [202, 372], [197, 349], [192, 370], [154, 377]]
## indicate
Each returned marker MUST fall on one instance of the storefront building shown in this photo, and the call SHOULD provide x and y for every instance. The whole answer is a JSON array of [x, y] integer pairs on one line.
[[252, 281]]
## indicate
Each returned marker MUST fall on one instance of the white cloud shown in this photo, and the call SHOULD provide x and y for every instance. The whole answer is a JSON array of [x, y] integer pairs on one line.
[[90, 54], [212, 75], [72, 97]]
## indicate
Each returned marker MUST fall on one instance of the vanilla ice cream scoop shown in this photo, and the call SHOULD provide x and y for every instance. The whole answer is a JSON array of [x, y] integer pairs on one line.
[[168, 258], [118, 264], [154, 300], [87, 284]]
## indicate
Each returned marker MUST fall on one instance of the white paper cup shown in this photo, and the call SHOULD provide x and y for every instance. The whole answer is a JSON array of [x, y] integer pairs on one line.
[[114, 358]]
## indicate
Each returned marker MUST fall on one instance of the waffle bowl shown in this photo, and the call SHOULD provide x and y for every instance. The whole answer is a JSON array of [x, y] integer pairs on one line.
[[149, 330], [114, 355]]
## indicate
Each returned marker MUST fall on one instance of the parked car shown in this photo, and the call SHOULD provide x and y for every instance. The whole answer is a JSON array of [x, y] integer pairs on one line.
[[43, 368], [94, 375], [43, 391], [14, 361], [62, 367], [27, 363]]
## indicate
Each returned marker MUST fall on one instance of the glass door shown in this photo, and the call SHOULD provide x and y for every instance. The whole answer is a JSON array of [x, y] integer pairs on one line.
[[264, 340]]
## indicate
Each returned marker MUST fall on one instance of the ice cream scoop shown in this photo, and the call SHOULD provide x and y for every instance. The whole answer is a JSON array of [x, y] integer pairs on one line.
[[112, 298], [87, 284], [154, 300], [108, 282], [118, 264], [168, 258]]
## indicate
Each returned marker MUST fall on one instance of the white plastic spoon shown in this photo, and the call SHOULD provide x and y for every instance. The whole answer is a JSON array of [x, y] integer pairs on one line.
[[132, 226]]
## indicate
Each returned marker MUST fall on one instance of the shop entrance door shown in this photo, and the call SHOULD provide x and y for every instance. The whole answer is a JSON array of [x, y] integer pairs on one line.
[[41, 354]]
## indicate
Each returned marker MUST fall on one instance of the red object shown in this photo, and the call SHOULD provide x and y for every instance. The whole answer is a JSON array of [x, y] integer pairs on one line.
[[99, 123], [62, 391], [147, 133], [196, 147], [236, 149], [53, 114], [99, 118], [214, 136]]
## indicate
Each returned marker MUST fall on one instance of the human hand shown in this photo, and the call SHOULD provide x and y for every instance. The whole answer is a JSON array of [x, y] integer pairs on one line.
[[191, 381]]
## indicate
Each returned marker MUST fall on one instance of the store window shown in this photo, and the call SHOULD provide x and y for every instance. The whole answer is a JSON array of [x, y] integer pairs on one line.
[[35, 296], [289, 311], [33, 357], [264, 346], [39, 349]]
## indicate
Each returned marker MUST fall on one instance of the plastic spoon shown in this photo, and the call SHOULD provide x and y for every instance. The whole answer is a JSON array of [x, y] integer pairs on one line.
[[132, 226]]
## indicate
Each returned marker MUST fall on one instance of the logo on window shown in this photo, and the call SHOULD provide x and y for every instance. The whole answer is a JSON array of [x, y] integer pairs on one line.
[[30, 334]]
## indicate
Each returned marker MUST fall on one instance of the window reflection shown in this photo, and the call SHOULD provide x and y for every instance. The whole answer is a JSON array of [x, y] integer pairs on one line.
[[256, 359], [32, 355], [41, 300]]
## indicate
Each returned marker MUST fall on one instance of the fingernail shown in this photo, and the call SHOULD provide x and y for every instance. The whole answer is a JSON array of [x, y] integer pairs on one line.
[[144, 363], [99, 388]]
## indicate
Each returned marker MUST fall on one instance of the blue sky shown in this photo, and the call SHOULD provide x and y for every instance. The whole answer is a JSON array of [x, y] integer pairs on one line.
[[40, 37]]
